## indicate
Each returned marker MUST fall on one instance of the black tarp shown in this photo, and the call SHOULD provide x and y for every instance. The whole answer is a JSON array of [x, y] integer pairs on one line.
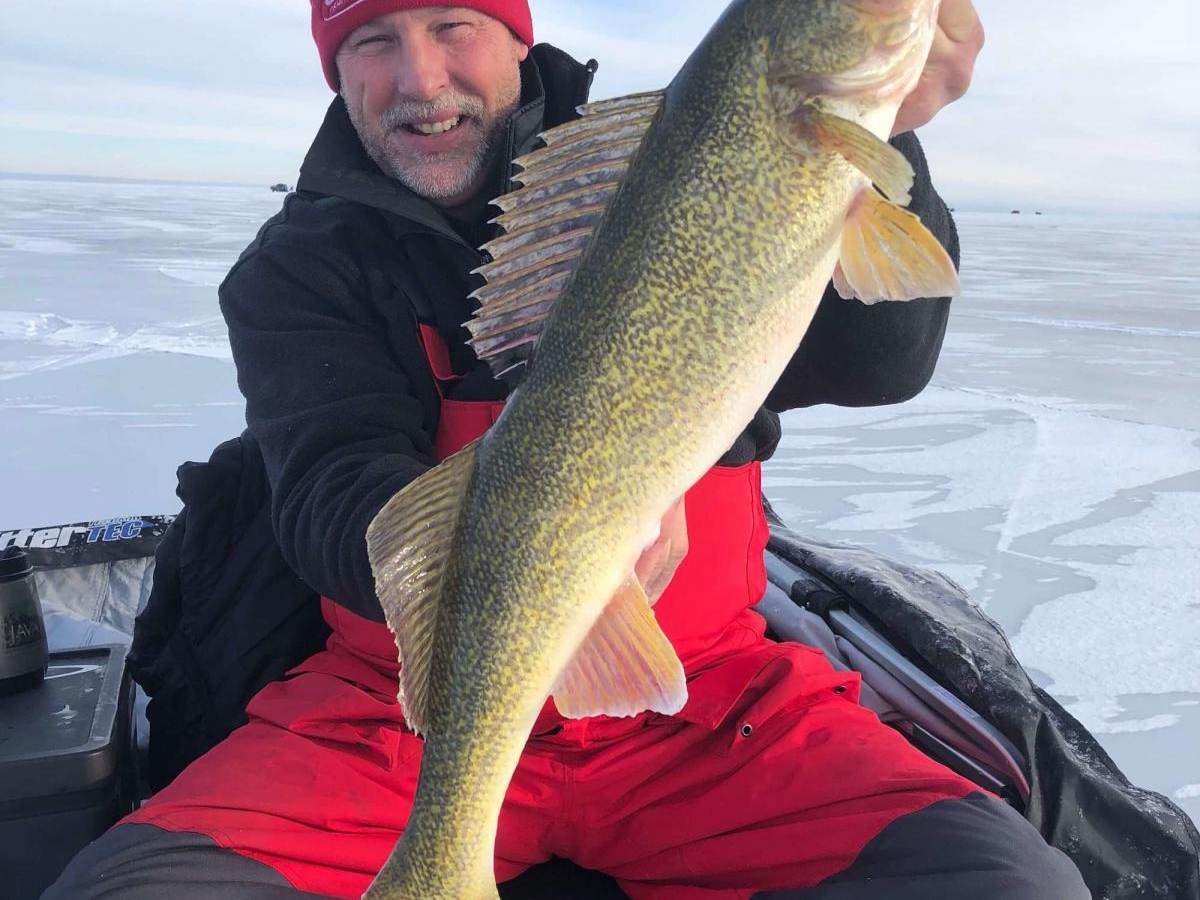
[[1127, 842], [226, 614]]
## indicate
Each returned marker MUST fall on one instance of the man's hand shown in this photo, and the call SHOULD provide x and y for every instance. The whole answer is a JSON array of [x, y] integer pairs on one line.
[[948, 70], [658, 562]]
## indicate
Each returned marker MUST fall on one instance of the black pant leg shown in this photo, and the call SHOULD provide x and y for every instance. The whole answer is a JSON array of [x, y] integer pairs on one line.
[[142, 862], [977, 848]]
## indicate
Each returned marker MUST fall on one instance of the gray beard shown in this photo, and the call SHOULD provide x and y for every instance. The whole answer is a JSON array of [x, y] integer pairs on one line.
[[431, 178], [421, 181]]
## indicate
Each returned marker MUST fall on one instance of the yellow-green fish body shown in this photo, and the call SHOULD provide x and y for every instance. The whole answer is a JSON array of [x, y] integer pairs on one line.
[[682, 311]]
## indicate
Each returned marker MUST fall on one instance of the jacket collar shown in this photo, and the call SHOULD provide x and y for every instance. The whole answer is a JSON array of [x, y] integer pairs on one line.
[[552, 85]]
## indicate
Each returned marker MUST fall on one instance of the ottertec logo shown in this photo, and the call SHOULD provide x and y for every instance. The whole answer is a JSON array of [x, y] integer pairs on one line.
[[334, 8], [107, 531]]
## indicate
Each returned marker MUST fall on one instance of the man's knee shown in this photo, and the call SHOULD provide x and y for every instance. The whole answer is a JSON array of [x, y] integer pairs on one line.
[[142, 862], [1049, 874], [1058, 878], [86, 876], [976, 847], [1026, 867]]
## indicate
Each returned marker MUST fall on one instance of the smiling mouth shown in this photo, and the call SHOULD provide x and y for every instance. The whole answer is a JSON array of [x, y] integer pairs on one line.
[[427, 129]]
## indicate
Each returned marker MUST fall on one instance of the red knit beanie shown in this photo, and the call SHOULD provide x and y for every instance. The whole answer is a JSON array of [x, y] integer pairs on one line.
[[333, 20]]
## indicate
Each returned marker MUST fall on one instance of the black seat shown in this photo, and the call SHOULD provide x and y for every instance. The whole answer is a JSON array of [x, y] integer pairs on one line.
[[561, 878]]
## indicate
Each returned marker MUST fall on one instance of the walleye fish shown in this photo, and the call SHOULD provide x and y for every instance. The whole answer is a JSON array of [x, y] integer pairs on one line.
[[662, 259]]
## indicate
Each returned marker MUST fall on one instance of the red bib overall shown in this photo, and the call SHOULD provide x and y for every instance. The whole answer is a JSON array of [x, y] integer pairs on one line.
[[772, 776]]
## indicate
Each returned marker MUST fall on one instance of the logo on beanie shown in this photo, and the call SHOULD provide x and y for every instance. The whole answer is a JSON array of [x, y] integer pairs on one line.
[[334, 8]]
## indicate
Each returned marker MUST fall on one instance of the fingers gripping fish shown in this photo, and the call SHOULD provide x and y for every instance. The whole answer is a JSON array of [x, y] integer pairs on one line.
[[658, 268]]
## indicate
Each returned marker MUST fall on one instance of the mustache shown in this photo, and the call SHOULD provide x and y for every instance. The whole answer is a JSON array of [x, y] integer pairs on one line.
[[406, 112]]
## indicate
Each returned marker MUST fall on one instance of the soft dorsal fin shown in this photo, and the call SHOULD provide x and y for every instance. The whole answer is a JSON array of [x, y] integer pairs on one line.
[[566, 187], [410, 543]]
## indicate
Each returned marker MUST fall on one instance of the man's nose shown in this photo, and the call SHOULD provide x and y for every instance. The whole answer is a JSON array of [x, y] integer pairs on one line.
[[421, 73]]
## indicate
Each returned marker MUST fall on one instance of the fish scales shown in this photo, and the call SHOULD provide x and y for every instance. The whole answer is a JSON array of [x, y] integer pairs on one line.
[[689, 300]]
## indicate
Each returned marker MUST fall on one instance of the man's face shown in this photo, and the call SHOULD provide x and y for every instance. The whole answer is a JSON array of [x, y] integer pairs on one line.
[[430, 92]]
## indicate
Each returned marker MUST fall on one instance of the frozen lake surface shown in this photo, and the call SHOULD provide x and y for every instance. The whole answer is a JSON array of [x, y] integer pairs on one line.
[[1052, 468]]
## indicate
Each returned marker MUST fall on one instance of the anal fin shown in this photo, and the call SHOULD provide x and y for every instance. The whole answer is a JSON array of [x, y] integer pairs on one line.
[[889, 254], [624, 666], [410, 543]]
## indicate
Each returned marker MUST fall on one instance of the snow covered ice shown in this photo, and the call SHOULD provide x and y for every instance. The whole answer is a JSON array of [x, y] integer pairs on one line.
[[114, 360], [1052, 467]]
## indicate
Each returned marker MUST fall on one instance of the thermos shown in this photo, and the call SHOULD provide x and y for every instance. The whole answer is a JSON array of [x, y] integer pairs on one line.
[[23, 650]]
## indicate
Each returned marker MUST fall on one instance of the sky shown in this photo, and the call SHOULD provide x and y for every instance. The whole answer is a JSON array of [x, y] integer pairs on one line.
[[1076, 104]]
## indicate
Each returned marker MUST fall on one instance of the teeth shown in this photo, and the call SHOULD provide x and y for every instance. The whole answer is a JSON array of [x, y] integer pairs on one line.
[[436, 127]]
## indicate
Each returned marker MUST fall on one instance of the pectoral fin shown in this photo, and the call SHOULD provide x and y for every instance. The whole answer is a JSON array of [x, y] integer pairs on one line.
[[624, 666], [889, 254], [876, 158], [410, 544]]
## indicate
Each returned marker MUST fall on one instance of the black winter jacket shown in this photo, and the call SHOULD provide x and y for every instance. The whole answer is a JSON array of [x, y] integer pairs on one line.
[[321, 312]]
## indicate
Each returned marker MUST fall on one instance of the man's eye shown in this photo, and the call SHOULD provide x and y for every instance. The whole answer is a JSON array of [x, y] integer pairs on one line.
[[370, 41], [447, 27]]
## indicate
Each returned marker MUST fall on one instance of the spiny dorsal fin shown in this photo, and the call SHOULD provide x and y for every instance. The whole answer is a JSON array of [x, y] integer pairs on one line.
[[409, 543], [624, 666], [566, 187]]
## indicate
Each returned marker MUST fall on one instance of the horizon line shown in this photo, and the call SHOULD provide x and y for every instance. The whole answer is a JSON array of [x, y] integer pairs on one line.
[[968, 205], [120, 179]]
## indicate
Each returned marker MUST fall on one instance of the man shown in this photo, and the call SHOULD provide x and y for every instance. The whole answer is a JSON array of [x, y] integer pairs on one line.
[[346, 319]]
